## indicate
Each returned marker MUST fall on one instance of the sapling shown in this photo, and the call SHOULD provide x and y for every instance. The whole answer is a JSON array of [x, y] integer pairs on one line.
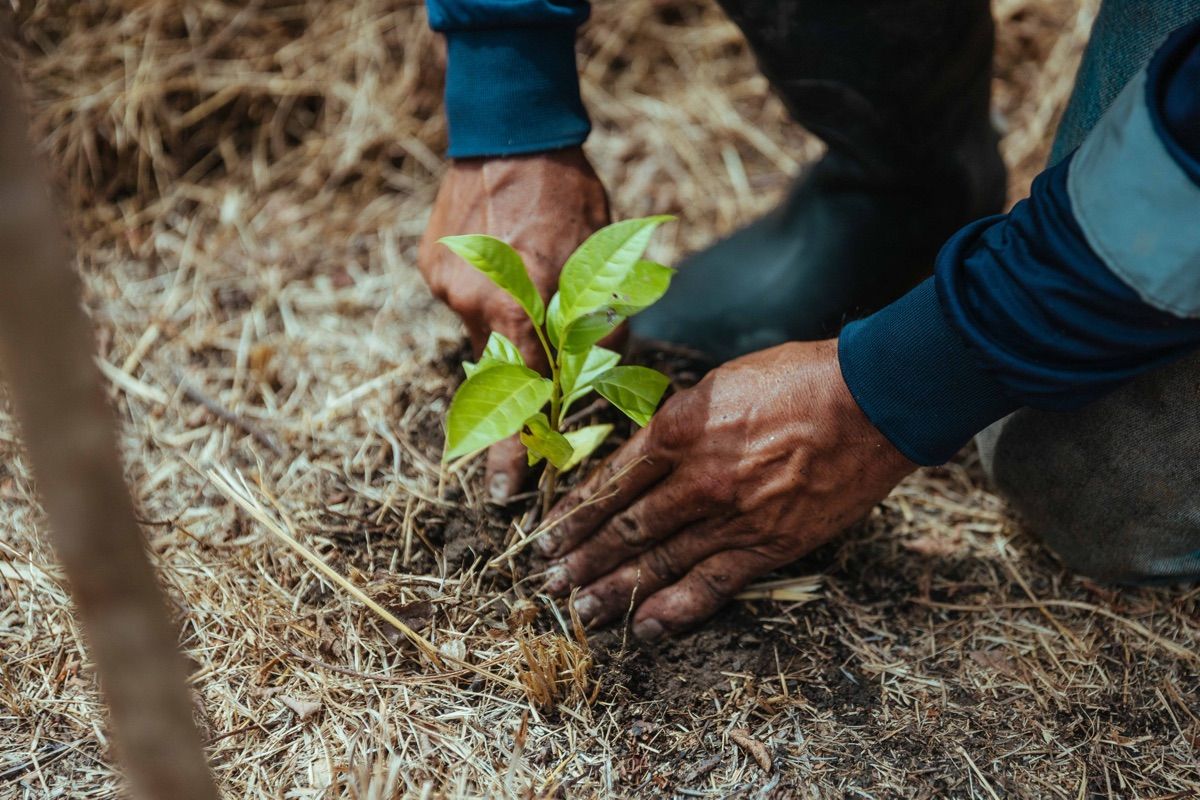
[[603, 283]]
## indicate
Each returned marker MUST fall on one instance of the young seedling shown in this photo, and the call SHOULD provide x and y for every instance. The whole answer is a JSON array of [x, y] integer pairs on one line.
[[602, 284]]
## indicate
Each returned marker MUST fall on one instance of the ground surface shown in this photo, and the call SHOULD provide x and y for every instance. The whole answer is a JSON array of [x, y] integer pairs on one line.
[[247, 183]]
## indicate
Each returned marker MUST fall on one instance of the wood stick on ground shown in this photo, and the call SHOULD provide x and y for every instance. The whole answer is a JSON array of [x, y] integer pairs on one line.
[[46, 352], [221, 412]]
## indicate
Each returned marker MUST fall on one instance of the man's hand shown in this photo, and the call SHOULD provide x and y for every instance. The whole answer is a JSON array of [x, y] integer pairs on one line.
[[764, 460], [544, 205]]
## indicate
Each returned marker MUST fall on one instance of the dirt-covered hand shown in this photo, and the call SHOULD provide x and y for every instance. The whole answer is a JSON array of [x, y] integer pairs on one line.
[[764, 460], [544, 205]]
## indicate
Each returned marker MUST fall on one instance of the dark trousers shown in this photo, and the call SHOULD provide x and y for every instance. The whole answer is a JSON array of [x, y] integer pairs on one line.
[[901, 86], [1114, 488]]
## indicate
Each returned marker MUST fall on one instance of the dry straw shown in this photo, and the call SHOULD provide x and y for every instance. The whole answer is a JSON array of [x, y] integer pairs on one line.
[[247, 182]]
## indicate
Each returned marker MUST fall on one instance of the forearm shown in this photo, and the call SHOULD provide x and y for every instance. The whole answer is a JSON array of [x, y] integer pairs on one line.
[[1091, 281], [511, 80]]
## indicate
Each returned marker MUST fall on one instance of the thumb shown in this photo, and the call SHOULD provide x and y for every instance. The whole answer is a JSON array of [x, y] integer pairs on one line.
[[507, 469]]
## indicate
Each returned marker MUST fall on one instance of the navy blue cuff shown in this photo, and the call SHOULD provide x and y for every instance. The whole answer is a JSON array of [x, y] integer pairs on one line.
[[916, 380], [1173, 77], [513, 91]]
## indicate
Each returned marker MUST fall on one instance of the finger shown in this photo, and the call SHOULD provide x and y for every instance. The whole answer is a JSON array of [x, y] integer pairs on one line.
[[506, 317], [708, 586], [612, 595], [665, 508], [507, 468], [477, 332], [620, 480], [531, 349]]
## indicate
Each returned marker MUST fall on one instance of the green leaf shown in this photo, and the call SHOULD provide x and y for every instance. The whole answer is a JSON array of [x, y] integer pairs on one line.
[[598, 268], [545, 442], [503, 265], [492, 405], [579, 334], [635, 390], [645, 284], [498, 350], [501, 348], [554, 320], [589, 329], [585, 441], [579, 370]]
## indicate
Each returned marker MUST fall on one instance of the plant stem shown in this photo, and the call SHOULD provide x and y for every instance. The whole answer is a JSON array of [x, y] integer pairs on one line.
[[550, 476], [549, 484], [549, 353]]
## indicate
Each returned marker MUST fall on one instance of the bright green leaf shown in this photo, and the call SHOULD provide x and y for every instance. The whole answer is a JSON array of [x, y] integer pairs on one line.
[[492, 405], [471, 367], [579, 370], [585, 441], [636, 391], [545, 442], [598, 268], [487, 362], [498, 350], [554, 320], [501, 348], [645, 284], [589, 329], [503, 265], [581, 333]]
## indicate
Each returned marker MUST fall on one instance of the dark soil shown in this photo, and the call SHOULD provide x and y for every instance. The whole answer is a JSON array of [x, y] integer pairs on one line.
[[800, 668]]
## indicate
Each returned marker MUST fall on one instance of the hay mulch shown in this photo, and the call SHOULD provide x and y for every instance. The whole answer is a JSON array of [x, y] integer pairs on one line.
[[246, 184]]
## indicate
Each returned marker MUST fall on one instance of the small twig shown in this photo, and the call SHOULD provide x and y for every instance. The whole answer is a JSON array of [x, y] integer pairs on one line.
[[194, 393], [795, 590], [237, 490], [390, 680], [1136, 627], [228, 485], [978, 773], [584, 412], [50, 752]]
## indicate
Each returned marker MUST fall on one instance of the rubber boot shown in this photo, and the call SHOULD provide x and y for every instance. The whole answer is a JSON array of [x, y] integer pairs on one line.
[[899, 90]]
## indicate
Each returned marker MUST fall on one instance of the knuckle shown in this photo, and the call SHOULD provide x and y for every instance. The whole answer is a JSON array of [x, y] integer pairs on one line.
[[628, 528], [560, 534], [669, 430], [782, 548], [714, 587], [663, 564], [505, 315]]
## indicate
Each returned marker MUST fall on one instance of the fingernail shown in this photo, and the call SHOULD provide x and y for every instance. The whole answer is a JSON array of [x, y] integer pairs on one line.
[[648, 630], [557, 579], [586, 606], [545, 545], [498, 487]]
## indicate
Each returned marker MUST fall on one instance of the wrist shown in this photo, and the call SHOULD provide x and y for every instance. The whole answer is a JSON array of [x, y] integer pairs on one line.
[[856, 429], [914, 378], [816, 396], [568, 156], [513, 91]]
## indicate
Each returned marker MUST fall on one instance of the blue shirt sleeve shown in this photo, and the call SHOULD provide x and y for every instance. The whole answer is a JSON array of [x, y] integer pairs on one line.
[[512, 85], [1092, 280]]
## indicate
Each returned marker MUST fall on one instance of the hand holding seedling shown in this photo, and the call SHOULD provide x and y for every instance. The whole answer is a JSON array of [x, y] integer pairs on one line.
[[603, 283], [544, 206], [763, 461]]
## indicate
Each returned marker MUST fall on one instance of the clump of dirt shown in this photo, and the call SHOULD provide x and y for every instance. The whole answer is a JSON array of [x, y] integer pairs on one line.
[[678, 677], [844, 684]]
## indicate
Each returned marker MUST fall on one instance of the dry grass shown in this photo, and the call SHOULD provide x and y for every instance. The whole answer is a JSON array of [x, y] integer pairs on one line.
[[247, 182]]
